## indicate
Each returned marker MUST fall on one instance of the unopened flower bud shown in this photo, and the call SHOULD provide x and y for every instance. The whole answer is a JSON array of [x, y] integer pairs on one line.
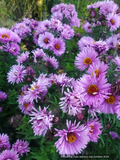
[[80, 116]]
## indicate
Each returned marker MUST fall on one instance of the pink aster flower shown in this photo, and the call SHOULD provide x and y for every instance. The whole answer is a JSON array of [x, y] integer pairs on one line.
[[21, 147], [85, 58], [45, 40], [72, 103], [26, 107], [112, 41], [38, 89], [95, 89], [94, 128], [4, 142], [16, 74], [12, 48], [21, 29], [41, 121], [67, 32], [38, 53], [85, 41], [3, 95], [87, 27], [58, 46], [56, 25], [7, 35], [110, 104], [113, 21], [97, 69], [9, 155], [23, 57], [73, 140], [100, 47], [20, 97], [51, 61]]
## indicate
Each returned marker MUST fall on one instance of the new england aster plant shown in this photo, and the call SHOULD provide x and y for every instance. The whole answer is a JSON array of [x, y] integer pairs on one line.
[[58, 88]]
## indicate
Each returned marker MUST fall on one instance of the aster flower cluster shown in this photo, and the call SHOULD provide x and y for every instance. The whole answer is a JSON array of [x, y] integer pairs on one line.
[[18, 148], [9, 41], [42, 78], [106, 13]]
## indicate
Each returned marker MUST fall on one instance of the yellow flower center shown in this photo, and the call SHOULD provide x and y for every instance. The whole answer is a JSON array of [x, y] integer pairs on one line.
[[111, 99], [92, 89], [71, 137], [112, 21], [57, 46], [89, 27], [92, 129], [4, 36], [21, 26], [34, 87], [26, 105], [22, 93], [97, 72], [46, 40], [87, 60]]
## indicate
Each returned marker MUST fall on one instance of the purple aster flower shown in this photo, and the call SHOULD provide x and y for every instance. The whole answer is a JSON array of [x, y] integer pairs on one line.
[[38, 53], [26, 107], [57, 15], [95, 89], [21, 29], [56, 25], [108, 7], [9, 155], [46, 23], [4, 142], [72, 103], [114, 135], [30, 71], [20, 97], [3, 95], [85, 41], [21, 147], [110, 103], [12, 48], [73, 140], [67, 32], [97, 69], [41, 121], [113, 21], [100, 47], [38, 89], [94, 128], [58, 46], [7, 35], [23, 57], [16, 74], [87, 27], [0, 109], [85, 58], [112, 41], [51, 61], [45, 40], [33, 23]]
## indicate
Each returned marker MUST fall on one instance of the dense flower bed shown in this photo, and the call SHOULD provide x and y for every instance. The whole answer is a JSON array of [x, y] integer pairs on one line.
[[64, 74]]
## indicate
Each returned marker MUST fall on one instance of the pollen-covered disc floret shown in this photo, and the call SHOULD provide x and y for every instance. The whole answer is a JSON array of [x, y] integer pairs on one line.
[[41, 121], [73, 140]]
